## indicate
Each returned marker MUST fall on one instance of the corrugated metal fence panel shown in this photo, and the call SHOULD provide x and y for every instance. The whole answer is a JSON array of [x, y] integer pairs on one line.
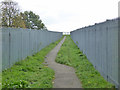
[[0, 49], [17, 44], [5, 48], [100, 44], [119, 50]]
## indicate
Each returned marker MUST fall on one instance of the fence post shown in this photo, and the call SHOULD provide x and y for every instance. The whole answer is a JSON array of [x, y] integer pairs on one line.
[[119, 44], [9, 47], [119, 53]]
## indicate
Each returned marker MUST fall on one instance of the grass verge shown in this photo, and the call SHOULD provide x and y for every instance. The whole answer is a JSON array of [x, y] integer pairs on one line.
[[31, 72], [0, 81], [70, 54]]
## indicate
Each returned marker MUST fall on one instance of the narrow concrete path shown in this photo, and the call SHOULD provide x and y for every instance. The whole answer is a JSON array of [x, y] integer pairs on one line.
[[65, 76]]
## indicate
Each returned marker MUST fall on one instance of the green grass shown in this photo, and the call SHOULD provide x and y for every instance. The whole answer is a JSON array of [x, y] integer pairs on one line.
[[31, 72], [0, 81], [70, 54]]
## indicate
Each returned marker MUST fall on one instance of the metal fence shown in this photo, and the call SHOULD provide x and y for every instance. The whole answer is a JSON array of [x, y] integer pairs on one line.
[[100, 44], [17, 44], [0, 50]]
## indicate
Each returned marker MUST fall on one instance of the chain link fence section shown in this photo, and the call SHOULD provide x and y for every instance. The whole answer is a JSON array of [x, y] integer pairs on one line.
[[100, 44], [19, 43]]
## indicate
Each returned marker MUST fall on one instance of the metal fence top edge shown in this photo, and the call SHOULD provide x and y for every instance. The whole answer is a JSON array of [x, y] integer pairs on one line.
[[23, 29], [98, 24]]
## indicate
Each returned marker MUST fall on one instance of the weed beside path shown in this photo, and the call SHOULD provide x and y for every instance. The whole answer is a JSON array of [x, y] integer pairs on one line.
[[31, 72], [70, 54]]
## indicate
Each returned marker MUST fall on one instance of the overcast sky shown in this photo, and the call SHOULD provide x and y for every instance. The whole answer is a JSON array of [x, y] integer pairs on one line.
[[68, 15]]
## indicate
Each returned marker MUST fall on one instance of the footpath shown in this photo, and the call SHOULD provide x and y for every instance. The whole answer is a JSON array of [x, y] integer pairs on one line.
[[65, 76]]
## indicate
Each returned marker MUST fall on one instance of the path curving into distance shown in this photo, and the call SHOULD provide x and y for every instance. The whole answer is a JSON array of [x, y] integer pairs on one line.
[[65, 76]]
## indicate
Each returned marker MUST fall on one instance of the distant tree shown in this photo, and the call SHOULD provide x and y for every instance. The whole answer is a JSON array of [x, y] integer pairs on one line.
[[32, 20], [43, 25], [18, 22], [0, 18], [12, 17], [9, 11], [10, 14]]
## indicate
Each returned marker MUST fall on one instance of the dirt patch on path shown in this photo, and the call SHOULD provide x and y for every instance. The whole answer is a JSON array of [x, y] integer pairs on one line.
[[65, 76]]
